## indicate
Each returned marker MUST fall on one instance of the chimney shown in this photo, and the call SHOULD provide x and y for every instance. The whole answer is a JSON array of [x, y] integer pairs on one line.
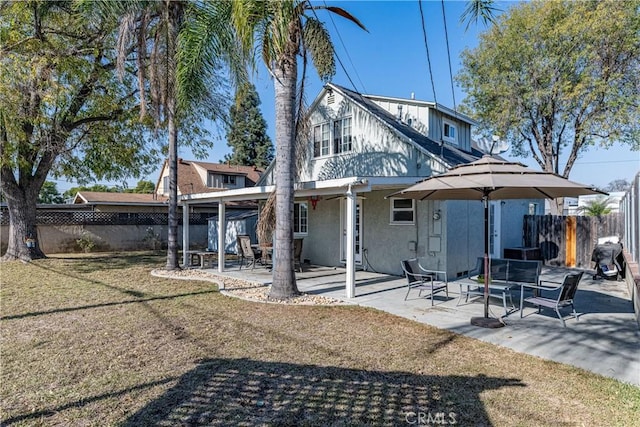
[[413, 95]]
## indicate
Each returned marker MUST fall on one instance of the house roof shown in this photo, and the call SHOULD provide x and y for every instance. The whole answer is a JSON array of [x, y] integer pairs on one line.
[[92, 197], [453, 156], [190, 182]]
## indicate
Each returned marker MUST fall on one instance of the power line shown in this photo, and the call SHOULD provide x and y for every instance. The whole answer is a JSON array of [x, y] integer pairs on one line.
[[426, 45], [604, 161], [353, 85], [446, 35], [345, 50]]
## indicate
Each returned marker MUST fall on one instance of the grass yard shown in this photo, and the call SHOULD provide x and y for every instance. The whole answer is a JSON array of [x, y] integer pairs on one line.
[[96, 340]]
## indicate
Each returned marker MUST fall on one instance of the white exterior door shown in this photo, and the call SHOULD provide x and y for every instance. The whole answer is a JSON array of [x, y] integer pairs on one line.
[[358, 231], [495, 249]]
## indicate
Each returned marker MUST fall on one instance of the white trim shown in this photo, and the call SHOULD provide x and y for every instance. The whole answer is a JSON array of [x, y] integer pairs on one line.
[[304, 189], [393, 209], [452, 125], [300, 232]]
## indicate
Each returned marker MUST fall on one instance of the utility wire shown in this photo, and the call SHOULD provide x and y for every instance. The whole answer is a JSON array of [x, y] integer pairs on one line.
[[353, 85], [446, 35], [346, 51], [426, 45]]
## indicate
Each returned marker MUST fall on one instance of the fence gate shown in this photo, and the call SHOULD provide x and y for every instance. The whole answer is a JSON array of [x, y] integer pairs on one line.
[[569, 240]]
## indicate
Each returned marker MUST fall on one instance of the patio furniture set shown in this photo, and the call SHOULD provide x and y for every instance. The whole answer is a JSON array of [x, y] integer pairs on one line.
[[248, 254], [505, 276]]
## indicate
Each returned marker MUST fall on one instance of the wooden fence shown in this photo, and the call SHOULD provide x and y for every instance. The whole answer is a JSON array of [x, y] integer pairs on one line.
[[570, 240]]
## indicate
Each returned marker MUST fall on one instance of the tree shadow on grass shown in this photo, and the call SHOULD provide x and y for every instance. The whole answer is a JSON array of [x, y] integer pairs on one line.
[[89, 263], [250, 392]]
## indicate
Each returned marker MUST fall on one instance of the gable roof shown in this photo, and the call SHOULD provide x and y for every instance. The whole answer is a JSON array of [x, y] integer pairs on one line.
[[190, 181], [451, 155], [105, 197]]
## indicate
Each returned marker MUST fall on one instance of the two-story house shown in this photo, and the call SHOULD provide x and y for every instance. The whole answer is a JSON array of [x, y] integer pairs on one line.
[[204, 177], [361, 149]]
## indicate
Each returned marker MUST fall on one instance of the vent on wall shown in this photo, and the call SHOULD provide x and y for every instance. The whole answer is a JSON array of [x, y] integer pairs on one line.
[[331, 98]]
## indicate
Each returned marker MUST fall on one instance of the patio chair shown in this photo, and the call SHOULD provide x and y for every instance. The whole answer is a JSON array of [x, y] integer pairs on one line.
[[423, 279], [567, 291], [246, 252]]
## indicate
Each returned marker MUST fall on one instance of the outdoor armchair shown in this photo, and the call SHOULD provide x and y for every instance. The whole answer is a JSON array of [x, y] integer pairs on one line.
[[566, 292], [423, 279], [246, 252]]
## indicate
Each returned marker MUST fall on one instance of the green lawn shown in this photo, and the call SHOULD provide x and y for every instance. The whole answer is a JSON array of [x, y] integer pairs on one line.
[[96, 340]]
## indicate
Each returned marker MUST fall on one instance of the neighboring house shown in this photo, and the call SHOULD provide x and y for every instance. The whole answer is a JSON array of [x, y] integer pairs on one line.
[[575, 206], [362, 148], [202, 177], [121, 202]]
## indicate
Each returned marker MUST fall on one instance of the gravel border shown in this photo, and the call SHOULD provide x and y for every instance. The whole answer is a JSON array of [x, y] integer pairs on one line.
[[246, 290]]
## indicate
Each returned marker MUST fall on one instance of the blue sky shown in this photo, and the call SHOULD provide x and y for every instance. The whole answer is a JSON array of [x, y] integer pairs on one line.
[[390, 59]]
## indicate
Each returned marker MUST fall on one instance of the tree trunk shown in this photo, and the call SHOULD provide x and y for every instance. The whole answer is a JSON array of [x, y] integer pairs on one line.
[[172, 236], [284, 279], [23, 232], [174, 17]]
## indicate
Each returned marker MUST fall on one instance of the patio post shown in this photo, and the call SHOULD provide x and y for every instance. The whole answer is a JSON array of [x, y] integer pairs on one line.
[[185, 235], [222, 231], [351, 243]]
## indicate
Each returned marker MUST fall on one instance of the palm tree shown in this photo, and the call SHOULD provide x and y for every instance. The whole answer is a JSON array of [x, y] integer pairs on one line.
[[596, 207], [179, 47], [284, 30]]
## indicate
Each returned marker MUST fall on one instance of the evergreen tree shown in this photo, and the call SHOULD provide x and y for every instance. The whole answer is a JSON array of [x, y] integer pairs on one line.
[[247, 132], [49, 194]]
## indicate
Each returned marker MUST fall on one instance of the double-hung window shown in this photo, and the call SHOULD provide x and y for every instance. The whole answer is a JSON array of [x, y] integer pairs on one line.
[[403, 211], [321, 145], [300, 218], [342, 135]]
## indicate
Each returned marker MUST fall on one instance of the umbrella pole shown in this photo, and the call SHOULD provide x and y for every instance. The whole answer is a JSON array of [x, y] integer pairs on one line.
[[486, 321], [486, 257]]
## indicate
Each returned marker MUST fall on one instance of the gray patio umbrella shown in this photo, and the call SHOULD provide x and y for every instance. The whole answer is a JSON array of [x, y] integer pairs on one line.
[[493, 179]]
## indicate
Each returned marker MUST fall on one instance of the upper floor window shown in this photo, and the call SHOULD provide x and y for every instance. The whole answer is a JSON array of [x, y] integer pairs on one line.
[[165, 185], [449, 132], [321, 144], [222, 181], [403, 211], [342, 135]]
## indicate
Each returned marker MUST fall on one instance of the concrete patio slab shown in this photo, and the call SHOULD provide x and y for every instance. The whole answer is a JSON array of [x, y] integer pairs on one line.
[[605, 339]]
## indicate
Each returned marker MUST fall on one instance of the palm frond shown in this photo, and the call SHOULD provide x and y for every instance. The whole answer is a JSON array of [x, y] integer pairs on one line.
[[267, 220], [206, 43], [344, 14], [479, 9], [317, 41]]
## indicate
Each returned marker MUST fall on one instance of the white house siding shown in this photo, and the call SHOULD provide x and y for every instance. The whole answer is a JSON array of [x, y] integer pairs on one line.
[[388, 244], [464, 224], [321, 245], [463, 129], [376, 150], [412, 113], [512, 216]]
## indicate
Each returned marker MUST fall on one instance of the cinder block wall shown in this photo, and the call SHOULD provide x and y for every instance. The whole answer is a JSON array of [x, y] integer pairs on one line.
[[64, 238]]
